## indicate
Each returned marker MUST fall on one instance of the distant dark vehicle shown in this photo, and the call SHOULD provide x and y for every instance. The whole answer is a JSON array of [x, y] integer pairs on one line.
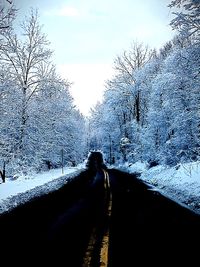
[[95, 161]]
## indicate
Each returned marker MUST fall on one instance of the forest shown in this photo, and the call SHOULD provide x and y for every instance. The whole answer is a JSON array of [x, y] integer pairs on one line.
[[150, 111], [151, 107]]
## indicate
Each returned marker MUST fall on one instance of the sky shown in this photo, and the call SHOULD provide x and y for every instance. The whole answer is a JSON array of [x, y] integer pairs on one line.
[[87, 35], [180, 183]]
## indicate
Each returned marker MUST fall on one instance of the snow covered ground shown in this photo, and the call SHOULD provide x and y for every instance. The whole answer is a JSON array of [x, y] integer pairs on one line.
[[15, 192], [181, 183]]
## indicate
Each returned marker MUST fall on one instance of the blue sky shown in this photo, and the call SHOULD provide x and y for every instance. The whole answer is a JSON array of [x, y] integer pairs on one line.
[[87, 35]]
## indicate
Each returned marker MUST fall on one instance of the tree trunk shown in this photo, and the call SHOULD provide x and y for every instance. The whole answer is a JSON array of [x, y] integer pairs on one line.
[[23, 120], [137, 107], [3, 173]]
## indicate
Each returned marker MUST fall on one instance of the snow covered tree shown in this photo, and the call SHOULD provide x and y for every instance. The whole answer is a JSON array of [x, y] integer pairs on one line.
[[55, 125], [38, 117], [9, 110], [168, 130], [126, 66], [105, 130], [23, 59], [125, 104], [7, 14], [187, 22], [172, 133], [186, 101]]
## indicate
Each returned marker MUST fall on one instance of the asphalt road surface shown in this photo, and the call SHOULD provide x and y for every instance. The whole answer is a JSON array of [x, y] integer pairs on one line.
[[109, 218]]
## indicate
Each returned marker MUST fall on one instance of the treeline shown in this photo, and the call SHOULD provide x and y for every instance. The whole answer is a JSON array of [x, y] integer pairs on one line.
[[151, 107], [38, 119]]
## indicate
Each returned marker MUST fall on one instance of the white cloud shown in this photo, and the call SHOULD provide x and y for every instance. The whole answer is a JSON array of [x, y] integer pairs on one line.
[[89, 82], [69, 12], [63, 12], [155, 34]]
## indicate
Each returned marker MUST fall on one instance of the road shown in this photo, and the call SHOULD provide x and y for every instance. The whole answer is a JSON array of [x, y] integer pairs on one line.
[[148, 228], [110, 218]]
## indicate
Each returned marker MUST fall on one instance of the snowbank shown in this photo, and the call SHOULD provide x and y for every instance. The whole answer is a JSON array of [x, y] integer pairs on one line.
[[182, 182], [15, 192]]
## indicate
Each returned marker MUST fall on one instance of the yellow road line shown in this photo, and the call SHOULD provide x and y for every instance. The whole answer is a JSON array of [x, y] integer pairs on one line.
[[104, 250], [88, 255], [87, 261], [105, 241]]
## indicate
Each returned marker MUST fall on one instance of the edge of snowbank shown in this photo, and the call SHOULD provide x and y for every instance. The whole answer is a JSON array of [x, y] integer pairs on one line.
[[179, 183], [23, 197]]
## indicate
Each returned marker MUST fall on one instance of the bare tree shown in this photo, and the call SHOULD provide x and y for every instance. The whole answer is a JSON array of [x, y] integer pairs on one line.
[[132, 60], [126, 65]]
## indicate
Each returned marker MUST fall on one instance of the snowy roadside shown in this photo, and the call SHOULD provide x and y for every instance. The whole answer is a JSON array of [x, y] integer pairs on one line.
[[180, 183], [15, 192]]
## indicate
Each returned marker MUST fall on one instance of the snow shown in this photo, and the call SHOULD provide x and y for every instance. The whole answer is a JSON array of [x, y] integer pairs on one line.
[[17, 191], [181, 182]]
